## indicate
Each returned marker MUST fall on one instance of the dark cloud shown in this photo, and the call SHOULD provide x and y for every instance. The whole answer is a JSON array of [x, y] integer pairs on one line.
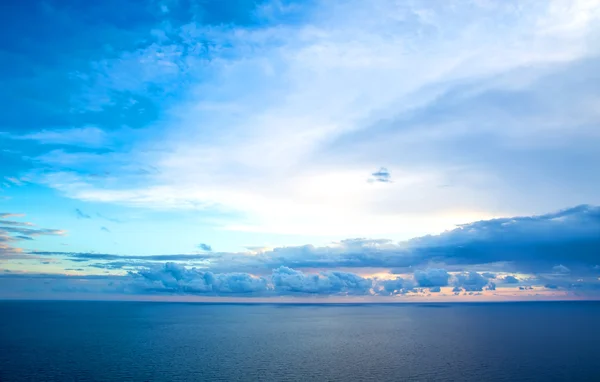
[[287, 280], [175, 278], [526, 244], [392, 286], [470, 281], [205, 247], [81, 215], [21, 237], [432, 277], [510, 279], [568, 236]]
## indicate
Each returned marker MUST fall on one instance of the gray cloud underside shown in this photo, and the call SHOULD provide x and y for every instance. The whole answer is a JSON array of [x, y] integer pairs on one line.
[[568, 239], [559, 250], [176, 279], [105, 256]]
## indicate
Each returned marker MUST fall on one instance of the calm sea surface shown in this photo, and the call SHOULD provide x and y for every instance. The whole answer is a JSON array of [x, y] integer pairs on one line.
[[131, 341]]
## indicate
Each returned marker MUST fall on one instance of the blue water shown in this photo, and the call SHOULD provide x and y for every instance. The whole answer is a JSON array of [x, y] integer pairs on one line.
[[127, 341]]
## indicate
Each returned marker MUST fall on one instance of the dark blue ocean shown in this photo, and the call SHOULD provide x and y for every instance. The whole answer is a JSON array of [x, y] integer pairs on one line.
[[135, 341]]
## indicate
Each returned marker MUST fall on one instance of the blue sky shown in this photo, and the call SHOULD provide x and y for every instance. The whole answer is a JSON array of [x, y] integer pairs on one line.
[[387, 149]]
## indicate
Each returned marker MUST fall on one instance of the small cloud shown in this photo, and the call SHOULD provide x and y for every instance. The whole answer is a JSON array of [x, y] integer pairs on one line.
[[15, 223], [104, 229], [561, 269], [14, 181], [511, 280], [114, 220], [431, 277], [205, 247], [10, 215], [81, 215], [89, 136], [470, 281], [22, 237], [382, 176]]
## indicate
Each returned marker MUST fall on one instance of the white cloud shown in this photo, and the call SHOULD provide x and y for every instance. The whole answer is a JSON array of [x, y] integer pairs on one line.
[[275, 125], [89, 136]]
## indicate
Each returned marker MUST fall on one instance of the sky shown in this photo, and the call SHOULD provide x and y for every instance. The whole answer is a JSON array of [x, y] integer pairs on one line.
[[274, 150]]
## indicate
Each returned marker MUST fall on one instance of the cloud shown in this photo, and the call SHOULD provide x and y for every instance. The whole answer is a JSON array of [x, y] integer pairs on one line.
[[205, 247], [287, 280], [322, 109], [12, 232], [432, 277], [393, 286], [108, 218], [21, 237], [510, 279], [106, 256], [14, 223], [81, 215], [470, 281], [560, 269], [88, 136], [175, 278], [526, 244], [14, 181], [4, 215], [325, 100], [567, 236], [382, 175], [34, 232]]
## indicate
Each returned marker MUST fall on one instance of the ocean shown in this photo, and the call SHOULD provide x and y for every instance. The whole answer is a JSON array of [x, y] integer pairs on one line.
[[147, 341]]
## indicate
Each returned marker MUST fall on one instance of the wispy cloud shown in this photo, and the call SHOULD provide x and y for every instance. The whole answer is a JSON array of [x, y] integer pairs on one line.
[[13, 232], [355, 86], [85, 136], [81, 215]]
